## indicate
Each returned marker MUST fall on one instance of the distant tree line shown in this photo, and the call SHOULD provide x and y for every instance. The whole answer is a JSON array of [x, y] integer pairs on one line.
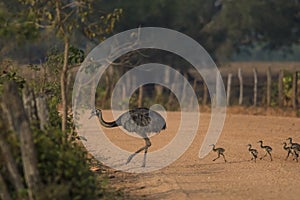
[[224, 27]]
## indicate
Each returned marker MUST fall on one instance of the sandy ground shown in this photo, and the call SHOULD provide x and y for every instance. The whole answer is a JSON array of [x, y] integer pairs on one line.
[[192, 178]]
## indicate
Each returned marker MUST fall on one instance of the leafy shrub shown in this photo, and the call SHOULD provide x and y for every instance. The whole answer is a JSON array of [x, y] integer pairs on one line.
[[63, 167]]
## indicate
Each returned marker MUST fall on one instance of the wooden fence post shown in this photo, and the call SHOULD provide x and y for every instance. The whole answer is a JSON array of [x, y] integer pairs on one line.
[[194, 88], [205, 94], [229, 77], [183, 91], [269, 84], [295, 90], [241, 86], [255, 87], [140, 96], [173, 88], [280, 88]]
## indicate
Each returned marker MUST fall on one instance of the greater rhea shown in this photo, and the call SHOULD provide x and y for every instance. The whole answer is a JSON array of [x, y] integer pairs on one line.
[[267, 149], [220, 152], [291, 150], [253, 152], [141, 121]]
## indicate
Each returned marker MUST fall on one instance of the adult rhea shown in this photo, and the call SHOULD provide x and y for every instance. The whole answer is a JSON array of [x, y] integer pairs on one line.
[[141, 121]]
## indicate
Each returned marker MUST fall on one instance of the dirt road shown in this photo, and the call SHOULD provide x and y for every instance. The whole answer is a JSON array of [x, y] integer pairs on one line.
[[192, 178]]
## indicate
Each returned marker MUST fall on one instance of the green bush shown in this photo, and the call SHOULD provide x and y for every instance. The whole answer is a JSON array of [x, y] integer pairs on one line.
[[63, 167]]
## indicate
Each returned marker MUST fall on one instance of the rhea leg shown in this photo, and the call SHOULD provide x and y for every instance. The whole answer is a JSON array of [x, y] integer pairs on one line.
[[254, 156], [217, 157], [145, 148], [223, 157], [264, 156], [296, 155], [289, 152], [148, 144], [270, 155]]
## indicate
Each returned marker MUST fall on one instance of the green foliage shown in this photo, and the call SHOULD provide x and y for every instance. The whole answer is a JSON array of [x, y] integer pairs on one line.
[[15, 30], [274, 94], [288, 88], [271, 24], [65, 17], [223, 27], [8, 75], [12, 25], [28, 28], [76, 56], [287, 84], [8, 72], [63, 166], [63, 163]]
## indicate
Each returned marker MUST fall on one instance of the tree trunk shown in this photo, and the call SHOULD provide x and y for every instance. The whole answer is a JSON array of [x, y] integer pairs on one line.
[[280, 88], [13, 106], [229, 77], [255, 87], [269, 86], [10, 164], [241, 86], [4, 194], [42, 111], [63, 85], [30, 105]]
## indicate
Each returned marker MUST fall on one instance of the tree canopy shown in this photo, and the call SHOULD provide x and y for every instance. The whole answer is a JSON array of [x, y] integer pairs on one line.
[[223, 27]]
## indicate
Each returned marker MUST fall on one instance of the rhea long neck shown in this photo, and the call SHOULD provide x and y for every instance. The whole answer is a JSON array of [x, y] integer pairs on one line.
[[249, 147], [291, 141], [261, 145], [105, 123], [214, 149]]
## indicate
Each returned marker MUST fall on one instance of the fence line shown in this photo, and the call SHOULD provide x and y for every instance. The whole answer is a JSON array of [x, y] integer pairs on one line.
[[279, 89]]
